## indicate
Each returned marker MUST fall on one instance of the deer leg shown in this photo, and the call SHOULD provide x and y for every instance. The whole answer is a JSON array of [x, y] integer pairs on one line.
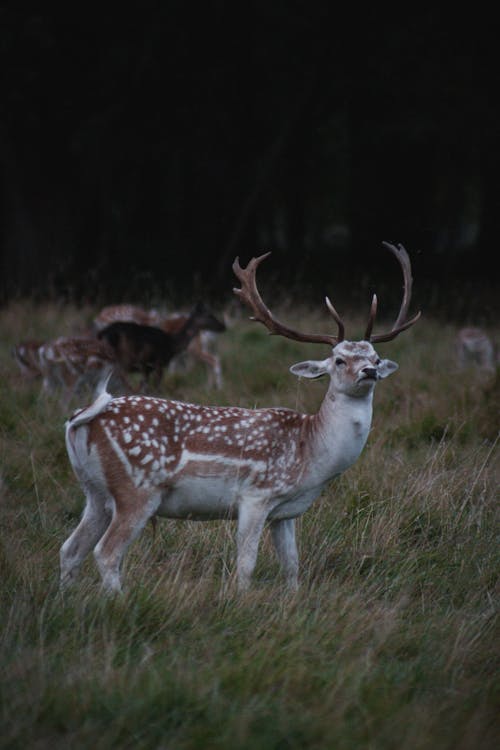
[[157, 377], [213, 366], [214, 370], [143, 384], [283, 535], [125, 526], [75, 549], [70, 389], [251, 520], [217, 373]]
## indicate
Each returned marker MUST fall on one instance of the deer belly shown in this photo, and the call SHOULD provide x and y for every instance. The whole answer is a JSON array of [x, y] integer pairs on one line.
[[201, 499]]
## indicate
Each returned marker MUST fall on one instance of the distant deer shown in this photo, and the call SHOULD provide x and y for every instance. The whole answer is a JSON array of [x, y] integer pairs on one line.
[[148, 349], [137, 457], [27, 356], [199, 346], [65, 364], [474, 347], [70, 362]]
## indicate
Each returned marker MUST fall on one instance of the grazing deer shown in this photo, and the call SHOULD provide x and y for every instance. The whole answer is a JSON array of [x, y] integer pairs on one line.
[[148, 349], [198, 347], [474, 347], [27, 356], [69, 363], [65, 364], [137, 457]]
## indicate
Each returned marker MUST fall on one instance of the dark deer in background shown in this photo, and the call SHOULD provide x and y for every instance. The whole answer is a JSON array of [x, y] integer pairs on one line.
[[149, 349], [201, 346]]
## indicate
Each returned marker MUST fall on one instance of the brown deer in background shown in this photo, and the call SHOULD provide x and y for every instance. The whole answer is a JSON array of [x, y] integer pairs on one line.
[[474, 347], [199, 347], [149, 349]]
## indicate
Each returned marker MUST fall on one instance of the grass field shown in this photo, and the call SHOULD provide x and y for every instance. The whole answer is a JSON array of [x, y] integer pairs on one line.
[[392, 641]]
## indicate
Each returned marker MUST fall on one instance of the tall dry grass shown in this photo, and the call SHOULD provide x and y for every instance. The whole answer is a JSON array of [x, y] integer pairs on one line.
[[392, 639]]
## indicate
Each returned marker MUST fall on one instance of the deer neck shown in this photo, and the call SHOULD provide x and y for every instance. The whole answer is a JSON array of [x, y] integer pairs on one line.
[[338, 432], [184, 335]]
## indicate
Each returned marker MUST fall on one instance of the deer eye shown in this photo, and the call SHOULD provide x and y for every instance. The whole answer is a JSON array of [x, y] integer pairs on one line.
[[340, 361]]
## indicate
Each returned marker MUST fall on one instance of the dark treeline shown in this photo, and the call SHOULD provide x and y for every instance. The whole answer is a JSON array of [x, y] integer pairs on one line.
[[142, 150]]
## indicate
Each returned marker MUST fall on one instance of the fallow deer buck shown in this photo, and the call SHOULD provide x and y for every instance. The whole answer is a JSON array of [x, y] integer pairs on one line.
[[138, 456]]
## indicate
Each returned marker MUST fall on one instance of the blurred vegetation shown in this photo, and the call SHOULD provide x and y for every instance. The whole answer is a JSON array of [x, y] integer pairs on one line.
[[392, 639], [146, 149]]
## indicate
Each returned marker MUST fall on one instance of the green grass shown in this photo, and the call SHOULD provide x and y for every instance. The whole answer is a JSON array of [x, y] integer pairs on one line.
[[392, 639]]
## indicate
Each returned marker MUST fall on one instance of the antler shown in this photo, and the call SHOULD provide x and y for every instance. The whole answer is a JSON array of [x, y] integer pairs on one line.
[[251, 297], [401, 323]]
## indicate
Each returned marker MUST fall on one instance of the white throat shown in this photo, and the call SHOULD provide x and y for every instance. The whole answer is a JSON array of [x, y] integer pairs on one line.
[[340, 431]]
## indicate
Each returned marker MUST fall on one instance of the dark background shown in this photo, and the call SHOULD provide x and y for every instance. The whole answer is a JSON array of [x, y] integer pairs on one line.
[[142, 149]]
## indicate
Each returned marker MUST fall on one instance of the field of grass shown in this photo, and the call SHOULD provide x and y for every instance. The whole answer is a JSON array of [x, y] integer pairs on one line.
[[392, 641]]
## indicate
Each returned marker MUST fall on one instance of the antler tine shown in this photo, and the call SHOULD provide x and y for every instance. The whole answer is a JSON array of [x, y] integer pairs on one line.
[[404, 261], [337, 318], [250, 296], [371, 318], [401, 323], [248, 292]]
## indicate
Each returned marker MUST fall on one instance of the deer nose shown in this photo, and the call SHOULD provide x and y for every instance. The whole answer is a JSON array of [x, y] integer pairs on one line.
[[369, 372]]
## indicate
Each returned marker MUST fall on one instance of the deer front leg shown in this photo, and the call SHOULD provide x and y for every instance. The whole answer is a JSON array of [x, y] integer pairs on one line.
[[251, 520], [283, 535]]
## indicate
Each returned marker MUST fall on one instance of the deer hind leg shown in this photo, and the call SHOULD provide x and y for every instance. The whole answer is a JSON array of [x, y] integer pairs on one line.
[[217, 372], [130, 516], [214, 371], [69, 389], [96, 518], [283, 535]]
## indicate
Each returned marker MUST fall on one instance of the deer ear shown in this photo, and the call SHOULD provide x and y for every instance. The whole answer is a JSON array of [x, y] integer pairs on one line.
[[310, 368], [386, 367]]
